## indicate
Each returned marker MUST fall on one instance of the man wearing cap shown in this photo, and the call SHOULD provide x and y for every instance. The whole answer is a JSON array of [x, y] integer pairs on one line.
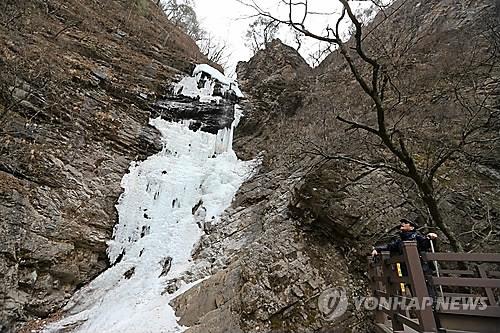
[[407, 232]]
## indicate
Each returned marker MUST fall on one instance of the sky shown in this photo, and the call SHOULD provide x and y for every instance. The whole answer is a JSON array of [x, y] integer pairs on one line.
[[225, 19], [228, 21]]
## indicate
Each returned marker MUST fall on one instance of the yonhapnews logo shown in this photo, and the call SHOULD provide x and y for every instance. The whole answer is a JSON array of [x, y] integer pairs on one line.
[[333, 303]]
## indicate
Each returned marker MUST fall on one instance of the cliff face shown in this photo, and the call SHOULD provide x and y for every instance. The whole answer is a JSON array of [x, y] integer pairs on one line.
[[78, 81], [442, 59], [305, 223], [276, 80]]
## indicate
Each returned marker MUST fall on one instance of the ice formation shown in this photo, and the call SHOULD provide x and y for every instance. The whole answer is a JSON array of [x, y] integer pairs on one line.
[[203, 83], [165, 202]]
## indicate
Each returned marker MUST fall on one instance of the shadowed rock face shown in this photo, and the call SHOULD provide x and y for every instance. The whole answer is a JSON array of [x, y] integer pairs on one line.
[[276, 80], [206, 102], [207, 117], [79, 79]]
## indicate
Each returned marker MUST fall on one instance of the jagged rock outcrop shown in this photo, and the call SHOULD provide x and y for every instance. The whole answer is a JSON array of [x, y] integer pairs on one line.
[[79, 80], [276, 80], [276, 64], [433, 61], [208, 117]]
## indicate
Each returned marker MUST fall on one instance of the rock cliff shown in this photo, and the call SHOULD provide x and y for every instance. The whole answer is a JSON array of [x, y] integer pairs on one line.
[[78, 88], [305, 222], [78, 83]]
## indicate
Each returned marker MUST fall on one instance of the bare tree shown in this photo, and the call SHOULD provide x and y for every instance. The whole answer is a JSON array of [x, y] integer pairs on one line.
[[261, 32], [182, 14], [297, 38], [317, 56], [214, 49], [392, 146]]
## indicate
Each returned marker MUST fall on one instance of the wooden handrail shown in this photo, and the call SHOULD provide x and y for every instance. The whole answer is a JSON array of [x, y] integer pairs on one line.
[[476, 257], [386, 282], [466, 282], [491, 311]]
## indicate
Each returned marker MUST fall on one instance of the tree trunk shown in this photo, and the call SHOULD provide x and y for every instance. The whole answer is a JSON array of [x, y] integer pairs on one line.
[[431, 203]]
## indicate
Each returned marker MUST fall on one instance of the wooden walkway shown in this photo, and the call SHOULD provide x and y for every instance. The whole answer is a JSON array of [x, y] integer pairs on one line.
[[387, 328], [459, 295]]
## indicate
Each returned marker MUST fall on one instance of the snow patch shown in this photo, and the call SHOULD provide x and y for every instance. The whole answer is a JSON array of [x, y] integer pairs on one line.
[[206, 81]]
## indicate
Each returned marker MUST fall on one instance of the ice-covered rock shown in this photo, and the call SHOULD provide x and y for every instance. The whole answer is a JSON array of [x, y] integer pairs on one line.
[[208, 84]]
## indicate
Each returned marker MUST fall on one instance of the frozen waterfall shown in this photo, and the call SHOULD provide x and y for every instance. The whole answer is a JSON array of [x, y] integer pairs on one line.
[[166, 200]]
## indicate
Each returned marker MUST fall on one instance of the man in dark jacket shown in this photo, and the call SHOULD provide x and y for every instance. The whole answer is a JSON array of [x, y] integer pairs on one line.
[[407, 233]]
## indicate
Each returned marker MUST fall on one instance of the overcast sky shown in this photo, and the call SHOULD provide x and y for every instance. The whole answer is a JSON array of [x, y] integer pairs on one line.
[[225, 20], [228, 20]]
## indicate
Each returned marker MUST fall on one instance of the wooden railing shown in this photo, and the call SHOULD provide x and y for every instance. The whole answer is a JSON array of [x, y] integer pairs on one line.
[[436, 292]]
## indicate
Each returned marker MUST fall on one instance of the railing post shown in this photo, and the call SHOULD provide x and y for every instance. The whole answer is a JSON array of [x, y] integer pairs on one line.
[[489, 292], [392, 290], [416, 276], [374, 273]]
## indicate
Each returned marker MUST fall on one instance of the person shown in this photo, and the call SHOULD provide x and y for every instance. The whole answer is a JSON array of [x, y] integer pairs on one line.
[[407, 232]]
